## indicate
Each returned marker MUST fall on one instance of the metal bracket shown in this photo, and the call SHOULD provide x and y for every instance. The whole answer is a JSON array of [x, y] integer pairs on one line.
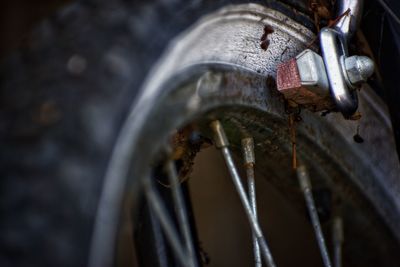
[[334, 53], [344, 72]]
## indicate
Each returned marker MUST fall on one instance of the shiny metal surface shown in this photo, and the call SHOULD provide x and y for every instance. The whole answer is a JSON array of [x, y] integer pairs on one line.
[[312, 72], [334, 56], [348, 24], [344, 72], [358, 69]]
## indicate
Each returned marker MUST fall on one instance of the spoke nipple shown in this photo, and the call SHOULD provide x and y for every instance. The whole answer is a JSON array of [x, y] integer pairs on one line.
[[248, 151], [220, 138], [304, 180], [338, 230]]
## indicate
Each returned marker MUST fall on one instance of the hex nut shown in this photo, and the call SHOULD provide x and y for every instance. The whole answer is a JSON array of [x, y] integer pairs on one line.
[[358, 69]]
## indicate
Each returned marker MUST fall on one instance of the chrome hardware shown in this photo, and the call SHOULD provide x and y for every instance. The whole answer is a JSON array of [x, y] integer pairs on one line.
[[334, 53], [305, 80], [344, 72], [312, 72], [358, 69], [348, 25]]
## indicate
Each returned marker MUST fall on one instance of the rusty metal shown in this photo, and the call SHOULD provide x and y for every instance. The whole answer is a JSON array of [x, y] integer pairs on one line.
[[185, 149], [303, 80], [242, 77], [220, 139], [288, 78]]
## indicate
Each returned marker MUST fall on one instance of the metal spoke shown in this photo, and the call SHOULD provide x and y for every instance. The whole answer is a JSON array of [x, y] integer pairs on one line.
[[221, 142], [180, 209], [337, 238], [305, 185], [249, 162], [157, 206]]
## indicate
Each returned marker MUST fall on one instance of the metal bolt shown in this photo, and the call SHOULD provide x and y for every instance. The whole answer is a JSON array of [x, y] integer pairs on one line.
[[358, 69]]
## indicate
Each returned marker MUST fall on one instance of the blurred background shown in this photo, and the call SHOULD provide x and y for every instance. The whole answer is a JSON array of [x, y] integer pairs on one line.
[[18, 17]]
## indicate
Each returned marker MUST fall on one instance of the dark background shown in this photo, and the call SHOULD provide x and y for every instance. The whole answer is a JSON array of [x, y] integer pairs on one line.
[[18, 17]]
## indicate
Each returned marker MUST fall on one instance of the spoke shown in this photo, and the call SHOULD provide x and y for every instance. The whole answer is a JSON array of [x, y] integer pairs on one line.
[[221, 142], [249, 162], [180, 209], [305, 184], [157, 206], [338, 238]]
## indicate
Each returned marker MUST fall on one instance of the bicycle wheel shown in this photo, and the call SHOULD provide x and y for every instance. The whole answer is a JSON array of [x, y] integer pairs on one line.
[[217, 72], [58, 135]]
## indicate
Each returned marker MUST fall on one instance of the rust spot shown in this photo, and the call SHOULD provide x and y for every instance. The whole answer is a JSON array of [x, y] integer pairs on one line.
[[267, 30], [332, 23], [264, 45], [264, 38], [320, 8], [185, 146], [356, 116], [288, 78], [289, 84]]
